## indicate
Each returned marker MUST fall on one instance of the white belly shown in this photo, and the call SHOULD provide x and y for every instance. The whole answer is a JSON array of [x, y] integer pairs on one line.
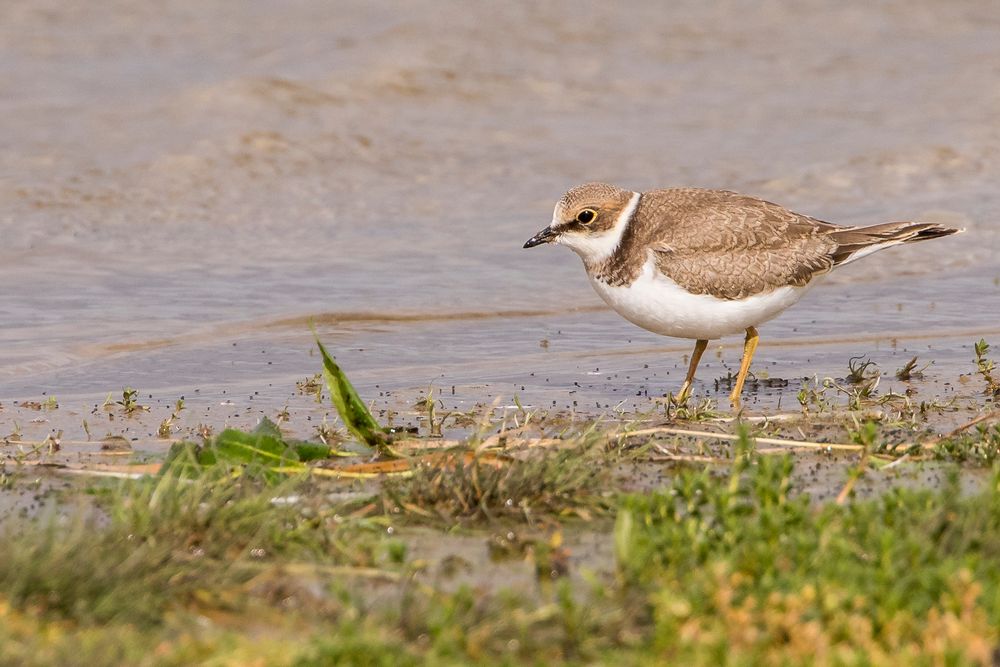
[[656, 303]]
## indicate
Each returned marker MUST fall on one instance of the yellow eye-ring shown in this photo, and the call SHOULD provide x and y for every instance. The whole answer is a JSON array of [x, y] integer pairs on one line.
[[586, 216]]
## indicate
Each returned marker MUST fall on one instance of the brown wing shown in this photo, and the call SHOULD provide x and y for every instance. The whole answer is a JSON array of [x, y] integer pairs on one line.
[[732, 246]]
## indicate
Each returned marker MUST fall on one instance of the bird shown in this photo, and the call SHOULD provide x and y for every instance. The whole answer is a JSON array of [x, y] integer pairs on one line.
[[702, 264]]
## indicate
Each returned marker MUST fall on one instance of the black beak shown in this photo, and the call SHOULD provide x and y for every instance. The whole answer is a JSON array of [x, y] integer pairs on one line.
[[544, 236]]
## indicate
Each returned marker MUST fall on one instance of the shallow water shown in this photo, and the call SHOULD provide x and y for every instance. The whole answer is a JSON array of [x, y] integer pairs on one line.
[[183, 190]]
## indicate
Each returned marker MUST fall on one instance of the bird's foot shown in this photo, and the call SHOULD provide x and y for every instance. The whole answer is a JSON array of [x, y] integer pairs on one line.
[[734, 400], [683, 395]]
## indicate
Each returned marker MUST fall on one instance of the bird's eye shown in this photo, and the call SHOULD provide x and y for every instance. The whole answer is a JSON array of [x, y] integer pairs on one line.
[[586, 216]]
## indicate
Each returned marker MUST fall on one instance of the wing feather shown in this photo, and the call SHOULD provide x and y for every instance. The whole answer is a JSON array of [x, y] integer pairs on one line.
[[733, 246]]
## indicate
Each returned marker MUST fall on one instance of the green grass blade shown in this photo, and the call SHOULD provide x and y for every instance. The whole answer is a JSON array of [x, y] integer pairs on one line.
[[353, 411]]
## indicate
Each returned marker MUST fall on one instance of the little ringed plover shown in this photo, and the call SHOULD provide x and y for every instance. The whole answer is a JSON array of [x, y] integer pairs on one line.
[[702, 264]]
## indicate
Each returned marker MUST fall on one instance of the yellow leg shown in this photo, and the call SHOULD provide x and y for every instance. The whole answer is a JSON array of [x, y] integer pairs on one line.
[[749, 345], [699, 349]]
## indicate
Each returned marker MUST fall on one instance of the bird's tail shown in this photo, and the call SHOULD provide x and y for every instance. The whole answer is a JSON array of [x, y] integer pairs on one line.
[[857, 242]]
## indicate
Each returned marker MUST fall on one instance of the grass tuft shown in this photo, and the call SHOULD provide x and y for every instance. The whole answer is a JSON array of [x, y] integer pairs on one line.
[[980, 446], [536, 484]]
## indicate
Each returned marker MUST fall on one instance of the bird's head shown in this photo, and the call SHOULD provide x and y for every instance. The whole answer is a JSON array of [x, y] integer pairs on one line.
[[589, 219]]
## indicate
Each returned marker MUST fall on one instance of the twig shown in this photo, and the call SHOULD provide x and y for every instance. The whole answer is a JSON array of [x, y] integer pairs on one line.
[[98, 470], [904, 457], [963, 427], [346, 474], [758, 419], [667, 455], [684, 458], [497, 441], [96, 443], [853, 479], [727, 436]]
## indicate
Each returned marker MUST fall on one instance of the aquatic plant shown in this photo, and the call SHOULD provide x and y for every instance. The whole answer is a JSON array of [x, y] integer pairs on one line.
[[985, 367], [858, 370], [909, 371]]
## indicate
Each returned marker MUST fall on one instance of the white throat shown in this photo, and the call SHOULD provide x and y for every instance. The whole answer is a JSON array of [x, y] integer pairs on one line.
[[597, 248]]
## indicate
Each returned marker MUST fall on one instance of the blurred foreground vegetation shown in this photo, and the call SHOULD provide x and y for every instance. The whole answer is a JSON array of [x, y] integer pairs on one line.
[[729, 566], [250, 549]]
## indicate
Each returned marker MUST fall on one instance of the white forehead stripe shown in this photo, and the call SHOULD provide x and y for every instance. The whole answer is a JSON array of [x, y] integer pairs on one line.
[[600, 247]]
